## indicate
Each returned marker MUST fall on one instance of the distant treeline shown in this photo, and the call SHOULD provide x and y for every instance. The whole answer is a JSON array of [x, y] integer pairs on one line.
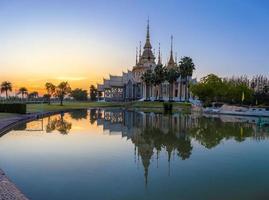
[[234, 90], [57, 92]]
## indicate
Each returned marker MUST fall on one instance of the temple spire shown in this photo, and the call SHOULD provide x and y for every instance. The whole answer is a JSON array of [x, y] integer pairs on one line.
[[171, 62], [140, 50], [169, 160], [147, 55], [171, 51], [157, 158], [135, 153], [147, 44], [159, 55], [136, 56], [148, 37]]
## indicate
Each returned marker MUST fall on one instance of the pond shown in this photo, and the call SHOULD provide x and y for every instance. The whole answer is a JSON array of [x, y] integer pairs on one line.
[[119, 155]]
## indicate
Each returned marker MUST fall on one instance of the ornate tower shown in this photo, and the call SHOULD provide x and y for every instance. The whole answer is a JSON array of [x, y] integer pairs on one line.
[[171, 62], [147, 58]]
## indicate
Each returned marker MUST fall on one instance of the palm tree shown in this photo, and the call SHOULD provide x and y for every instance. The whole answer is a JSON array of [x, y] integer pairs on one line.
[[23, 91], [5, 87], [147, 78], [182, 71], [93, 93], [50, 90], [172, 75], [186, 67], [158, 79], [62, 90]]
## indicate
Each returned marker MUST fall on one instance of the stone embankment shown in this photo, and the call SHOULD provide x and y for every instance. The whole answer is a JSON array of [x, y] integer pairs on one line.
[[8, 190]]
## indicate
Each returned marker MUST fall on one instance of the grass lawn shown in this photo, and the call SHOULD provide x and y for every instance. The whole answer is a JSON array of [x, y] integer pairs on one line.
[[157, 107], [31, 108]]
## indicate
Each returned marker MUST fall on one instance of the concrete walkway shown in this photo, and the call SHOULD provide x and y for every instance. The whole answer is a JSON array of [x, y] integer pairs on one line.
[[8, 191]]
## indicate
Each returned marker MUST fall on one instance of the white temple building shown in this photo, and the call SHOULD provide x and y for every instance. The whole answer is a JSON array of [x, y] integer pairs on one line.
[[129, 86]]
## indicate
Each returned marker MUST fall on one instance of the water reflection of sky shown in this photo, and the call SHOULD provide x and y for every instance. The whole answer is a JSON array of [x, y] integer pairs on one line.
[[132, 155]]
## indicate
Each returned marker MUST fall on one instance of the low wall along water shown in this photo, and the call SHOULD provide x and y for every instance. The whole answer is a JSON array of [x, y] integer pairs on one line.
[[13, 108]]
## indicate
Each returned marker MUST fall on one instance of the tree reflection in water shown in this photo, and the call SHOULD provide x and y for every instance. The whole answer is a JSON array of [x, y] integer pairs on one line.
[[93, 115], [79, 114], [210, 132], [173, 133], [59, 124]]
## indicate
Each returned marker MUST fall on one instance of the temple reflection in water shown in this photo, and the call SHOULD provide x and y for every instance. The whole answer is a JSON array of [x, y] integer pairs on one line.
[[151, 133]]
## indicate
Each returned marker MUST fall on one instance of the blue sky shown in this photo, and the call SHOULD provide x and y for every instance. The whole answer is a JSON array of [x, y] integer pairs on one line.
[[87, 40]]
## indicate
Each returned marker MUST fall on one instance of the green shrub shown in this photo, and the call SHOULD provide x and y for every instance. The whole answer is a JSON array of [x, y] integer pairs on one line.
[[13, 108]]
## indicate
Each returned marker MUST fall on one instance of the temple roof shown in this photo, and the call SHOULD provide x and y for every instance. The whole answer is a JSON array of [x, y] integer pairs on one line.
[[106, 83], [117, 81], [115, 78], [100, 87]]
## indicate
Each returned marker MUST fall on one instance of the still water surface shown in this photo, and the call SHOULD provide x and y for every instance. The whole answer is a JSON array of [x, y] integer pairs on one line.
[[121, 155]]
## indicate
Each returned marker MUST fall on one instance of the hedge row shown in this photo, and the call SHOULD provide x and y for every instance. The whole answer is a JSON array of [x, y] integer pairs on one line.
[[13, 108]]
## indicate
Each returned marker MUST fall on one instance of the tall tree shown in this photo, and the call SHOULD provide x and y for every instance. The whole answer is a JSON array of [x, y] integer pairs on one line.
[[23, 91], [186, 68], [158, 79], [172, 75], [50, 90], [209, 89], [62, 90], [5, 87], [147, 78], [93, 93], [181, 81]]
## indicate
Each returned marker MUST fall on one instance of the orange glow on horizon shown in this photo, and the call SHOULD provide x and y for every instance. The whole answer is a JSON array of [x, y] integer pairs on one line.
[[38, 84]]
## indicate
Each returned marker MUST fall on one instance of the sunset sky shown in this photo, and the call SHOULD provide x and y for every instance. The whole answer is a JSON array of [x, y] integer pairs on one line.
[[82, 41]]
